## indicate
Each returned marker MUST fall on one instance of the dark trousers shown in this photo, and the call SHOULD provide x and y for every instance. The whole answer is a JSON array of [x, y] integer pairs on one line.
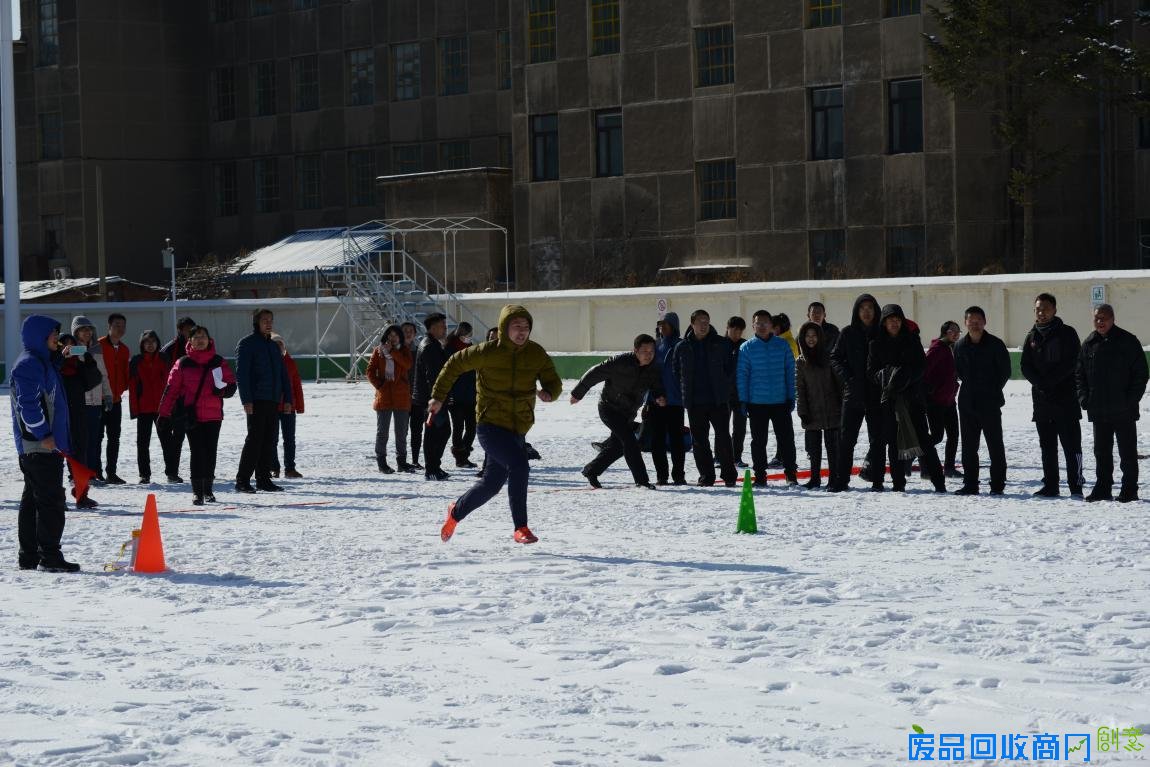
[[285, 425], [1126, 433], [435, 439], [813, 441], [985, 425], [144, 423], [462, 430], [1068, 431], [505, 463], [702, 419], [622, 444], [738, 431], [93, 425], [777, 417], [260, 444], [666, 425], [418, 415], [852, 422], [943, 421], [202, 443], [898, 465], [172, 442], [111, 428], [383, 420], [42, 505]]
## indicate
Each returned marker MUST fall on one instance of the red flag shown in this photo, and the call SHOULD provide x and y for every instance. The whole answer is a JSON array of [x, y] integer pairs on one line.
[[81, 474]]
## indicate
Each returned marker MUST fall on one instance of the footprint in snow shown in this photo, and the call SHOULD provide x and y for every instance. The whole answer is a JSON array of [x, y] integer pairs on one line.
[[671, 669]]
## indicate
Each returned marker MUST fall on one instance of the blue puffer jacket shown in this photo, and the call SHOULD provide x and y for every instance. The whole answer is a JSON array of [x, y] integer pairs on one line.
[[260, 370], [665, 356], [39, 405], [766, 372]]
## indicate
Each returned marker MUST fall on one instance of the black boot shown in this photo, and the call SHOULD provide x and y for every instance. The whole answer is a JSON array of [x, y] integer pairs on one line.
[[55, 563], [197, 492], [209, 492], [381, 463]]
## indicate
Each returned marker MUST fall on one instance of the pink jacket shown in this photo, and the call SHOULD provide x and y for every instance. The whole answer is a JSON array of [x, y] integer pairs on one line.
[[187, 374]]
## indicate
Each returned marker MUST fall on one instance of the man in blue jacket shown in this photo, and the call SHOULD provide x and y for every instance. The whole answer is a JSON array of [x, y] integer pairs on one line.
[[263, 384], [666, 421], [40, 427], [766, 381]]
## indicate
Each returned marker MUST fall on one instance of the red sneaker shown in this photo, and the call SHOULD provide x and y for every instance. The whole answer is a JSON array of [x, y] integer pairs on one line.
[[449, 524], [524, 535]]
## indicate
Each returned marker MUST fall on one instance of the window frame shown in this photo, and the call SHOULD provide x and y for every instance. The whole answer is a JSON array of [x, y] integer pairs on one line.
[[717, 194], [305, 100], [264, 89], [47, 33], [266, 184], [406, 73], [714, 56], [454, 65], [222, 10], [545, 147], [608, 143], [360, 77], [307, 197], [824, 13], [503, 59], [50, 135], [896, 8], [835, 244], [541, 31], [262, 8], [401, 165], [361, 191], [226, 187], [605, 31], [897, 119], [820, 124], [894, 249], [223, 88], [455, 155]]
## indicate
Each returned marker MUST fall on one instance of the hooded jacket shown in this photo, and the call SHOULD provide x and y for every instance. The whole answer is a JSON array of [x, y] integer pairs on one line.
[[95, 394], [766, 372], [626, 382], [1111, 376], [984, 369], [184, 383], [665, 356], [260, 370], [147, 377], [849, 358], [39, 404], [505, 376], [396, 393], [820, 399], [717, 366], [940, 378], [895, 364], [1049, 360]]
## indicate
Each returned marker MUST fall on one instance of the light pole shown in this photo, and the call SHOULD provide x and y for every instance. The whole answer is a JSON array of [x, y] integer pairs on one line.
[[169, 255]]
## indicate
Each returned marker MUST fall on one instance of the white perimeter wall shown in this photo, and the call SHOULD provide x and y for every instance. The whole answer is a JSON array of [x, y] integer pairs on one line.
[[608, 320]]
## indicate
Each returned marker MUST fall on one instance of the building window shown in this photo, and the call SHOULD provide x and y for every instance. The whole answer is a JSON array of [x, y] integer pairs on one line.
[[604, 27], [222, 10], [903, 7], [609, 143], [267, 184], [307, 184], [824, 13], [264, 87], [505, 151], [407, 158], [361, 77], [305, 83], [827, 123], [361, 177], [51, 136], [454, 155], [544, 147], [905, 116], [503, 58], [406, 68], [828, 254], [714, 55], [303, 5], [223, 94], [52, 232], [905, 248], [541, 30], [716, 189], [227, 191], [453, 62], [48, 31], [263, 7]]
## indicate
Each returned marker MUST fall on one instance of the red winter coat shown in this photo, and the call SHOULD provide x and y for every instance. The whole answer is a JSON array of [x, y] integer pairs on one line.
[[941, 376], [116, 360], [296, 386], [147, 376], [187, 374]]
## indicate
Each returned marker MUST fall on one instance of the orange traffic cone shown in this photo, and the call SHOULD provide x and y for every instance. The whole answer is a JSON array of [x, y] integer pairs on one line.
[[150, 553]]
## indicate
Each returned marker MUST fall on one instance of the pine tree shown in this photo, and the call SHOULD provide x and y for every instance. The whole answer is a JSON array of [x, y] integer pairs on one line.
[[1019, 59]]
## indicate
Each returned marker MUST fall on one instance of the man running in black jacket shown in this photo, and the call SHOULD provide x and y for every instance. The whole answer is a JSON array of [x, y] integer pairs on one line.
[[628, 378]]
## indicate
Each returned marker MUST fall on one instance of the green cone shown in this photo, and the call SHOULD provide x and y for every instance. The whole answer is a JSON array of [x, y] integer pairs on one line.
[[747, 523]]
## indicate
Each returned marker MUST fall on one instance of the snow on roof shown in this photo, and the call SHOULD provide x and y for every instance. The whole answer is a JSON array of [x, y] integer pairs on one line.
[[33, 289], [310, 248]]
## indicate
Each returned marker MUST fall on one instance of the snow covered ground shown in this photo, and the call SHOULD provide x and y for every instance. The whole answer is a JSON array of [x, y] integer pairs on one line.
[[640, 629]]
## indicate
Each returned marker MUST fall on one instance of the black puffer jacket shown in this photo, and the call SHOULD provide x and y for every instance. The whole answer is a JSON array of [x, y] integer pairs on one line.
[[428, 362], [719, 360], [1049, 359], [1111, 375], [983, 368], [895, 364], [849, 357], [626, 382]]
